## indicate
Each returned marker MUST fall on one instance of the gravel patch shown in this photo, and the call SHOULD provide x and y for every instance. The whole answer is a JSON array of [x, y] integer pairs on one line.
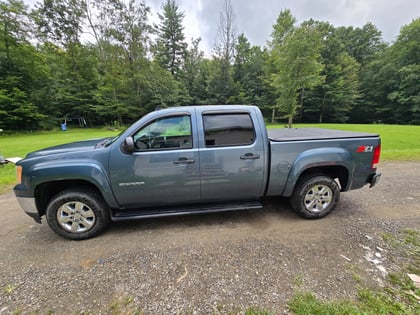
[[209, 264]]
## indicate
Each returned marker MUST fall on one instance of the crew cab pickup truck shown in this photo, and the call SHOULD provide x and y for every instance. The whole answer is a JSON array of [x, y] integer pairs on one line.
[[189, 160]]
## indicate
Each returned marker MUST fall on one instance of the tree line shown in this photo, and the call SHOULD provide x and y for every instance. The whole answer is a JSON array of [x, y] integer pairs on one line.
[[105, 61]]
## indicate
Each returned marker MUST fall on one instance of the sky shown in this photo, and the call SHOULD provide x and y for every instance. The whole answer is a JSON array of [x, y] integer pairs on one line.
[[255, 18]]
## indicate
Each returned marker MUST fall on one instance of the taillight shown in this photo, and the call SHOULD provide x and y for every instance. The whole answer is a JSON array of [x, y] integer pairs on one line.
[[376, 156]]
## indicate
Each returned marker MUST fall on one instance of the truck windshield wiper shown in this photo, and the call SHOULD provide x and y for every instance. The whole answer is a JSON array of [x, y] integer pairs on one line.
[[103, 143], [108, 141]]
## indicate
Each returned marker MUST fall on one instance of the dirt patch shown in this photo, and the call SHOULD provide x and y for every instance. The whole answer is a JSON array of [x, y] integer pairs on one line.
[[215, 263]]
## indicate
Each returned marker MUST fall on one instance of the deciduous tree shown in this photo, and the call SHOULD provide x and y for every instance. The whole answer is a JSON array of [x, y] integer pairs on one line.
[[298, 67], [221, 85]]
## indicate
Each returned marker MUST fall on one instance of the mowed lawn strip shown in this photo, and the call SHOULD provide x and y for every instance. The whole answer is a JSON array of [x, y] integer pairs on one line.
[[19, 145], [398, 142]]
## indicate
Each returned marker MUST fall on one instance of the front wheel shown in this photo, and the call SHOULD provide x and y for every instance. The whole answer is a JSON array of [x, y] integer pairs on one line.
[[315, 197], [77, 215]]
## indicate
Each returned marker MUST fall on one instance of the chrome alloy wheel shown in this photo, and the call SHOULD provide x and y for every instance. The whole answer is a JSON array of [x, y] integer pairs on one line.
[[76, 217], [318, 198]]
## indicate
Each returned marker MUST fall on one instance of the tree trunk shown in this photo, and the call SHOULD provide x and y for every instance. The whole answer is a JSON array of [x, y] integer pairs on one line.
[[322, 109], [301, 105]]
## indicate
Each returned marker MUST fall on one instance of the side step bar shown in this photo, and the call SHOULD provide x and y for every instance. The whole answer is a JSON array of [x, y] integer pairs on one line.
[[165, 212]]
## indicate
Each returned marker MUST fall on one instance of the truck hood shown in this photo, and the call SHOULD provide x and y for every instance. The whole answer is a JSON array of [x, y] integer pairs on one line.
[[86, 145]]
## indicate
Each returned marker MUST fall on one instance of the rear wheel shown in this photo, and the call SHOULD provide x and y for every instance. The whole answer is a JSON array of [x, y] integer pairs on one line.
[[77, 215], [315, 197]]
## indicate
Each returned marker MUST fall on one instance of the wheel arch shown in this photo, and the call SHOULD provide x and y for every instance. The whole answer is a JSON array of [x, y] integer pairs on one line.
[[44, 192], [335, 170], [334, 162], [338, 172]]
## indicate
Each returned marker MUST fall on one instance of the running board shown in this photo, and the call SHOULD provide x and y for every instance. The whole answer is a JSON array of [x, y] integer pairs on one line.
[[166, 212]]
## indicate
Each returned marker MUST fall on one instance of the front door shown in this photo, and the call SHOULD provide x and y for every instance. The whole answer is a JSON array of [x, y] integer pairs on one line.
[[164, 169]]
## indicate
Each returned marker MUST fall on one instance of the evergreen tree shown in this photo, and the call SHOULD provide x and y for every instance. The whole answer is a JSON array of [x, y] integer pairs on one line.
[[20, 70], [196, 74], [406, 56], [248, 70], [170, 46]]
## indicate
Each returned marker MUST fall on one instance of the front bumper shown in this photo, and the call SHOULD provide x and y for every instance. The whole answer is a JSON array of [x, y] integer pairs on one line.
[[29, 206], [374, 179]]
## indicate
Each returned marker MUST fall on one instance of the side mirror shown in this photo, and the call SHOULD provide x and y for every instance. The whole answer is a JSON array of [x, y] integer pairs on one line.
[[128, 145]]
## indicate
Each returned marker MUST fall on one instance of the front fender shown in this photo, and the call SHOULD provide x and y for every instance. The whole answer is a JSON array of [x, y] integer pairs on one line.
[[316, 158], [83, 169]]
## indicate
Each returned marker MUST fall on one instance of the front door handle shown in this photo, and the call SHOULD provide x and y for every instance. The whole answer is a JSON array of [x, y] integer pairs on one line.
[[250, 156], [184, 160]]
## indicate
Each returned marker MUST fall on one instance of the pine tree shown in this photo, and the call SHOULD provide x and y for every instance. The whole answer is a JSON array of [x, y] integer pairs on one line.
[[170, 46]]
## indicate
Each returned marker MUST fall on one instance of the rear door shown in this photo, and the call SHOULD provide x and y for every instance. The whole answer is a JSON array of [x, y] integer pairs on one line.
[[231, 156]]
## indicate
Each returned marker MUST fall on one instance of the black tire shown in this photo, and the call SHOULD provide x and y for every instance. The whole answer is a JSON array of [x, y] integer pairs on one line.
[[77, 214], [315, 196]]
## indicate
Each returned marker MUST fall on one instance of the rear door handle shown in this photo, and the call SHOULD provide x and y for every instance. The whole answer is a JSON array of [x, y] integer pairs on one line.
[[184, 160], [250, 156]]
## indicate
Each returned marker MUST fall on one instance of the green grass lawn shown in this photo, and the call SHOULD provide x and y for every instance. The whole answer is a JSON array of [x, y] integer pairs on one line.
[[398, 142], [23, 143]]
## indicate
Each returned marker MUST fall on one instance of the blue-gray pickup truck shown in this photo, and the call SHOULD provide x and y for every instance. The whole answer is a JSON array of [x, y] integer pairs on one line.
[[189, 160]]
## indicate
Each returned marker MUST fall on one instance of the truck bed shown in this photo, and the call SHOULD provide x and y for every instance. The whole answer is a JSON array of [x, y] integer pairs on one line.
[[302, 134]]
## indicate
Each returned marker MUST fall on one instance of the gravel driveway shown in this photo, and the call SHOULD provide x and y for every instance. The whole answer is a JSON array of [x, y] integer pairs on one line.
[[208, 264]]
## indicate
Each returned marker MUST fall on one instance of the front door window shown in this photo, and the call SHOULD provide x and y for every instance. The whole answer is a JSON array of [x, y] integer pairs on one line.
[[165, 134]]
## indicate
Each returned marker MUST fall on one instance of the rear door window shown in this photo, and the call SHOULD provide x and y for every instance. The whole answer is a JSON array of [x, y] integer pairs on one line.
[[228, 129]]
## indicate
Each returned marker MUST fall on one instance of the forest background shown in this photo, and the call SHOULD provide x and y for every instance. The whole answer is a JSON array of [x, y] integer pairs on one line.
[[308, 72]]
